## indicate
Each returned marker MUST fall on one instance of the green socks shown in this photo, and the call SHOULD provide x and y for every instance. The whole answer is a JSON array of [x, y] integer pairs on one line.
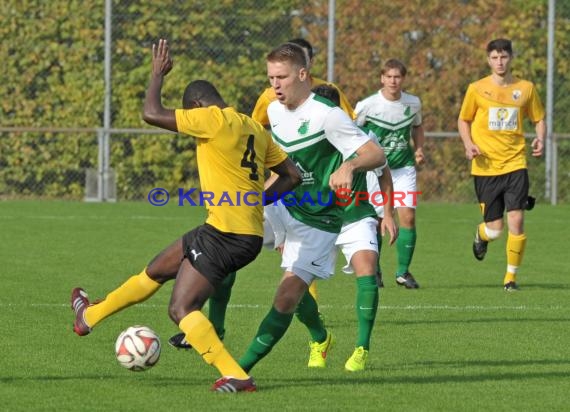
[[308, 313], [367, 298], [218, 304], [270, 331], [405, 245]]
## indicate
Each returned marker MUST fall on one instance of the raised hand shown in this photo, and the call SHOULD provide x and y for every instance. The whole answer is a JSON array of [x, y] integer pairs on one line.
[[161, 61]]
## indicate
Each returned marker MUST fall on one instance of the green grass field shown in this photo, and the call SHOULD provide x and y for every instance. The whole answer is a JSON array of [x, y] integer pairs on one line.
[[458, 343]]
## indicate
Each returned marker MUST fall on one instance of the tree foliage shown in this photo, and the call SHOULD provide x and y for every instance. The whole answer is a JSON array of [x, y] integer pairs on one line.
[[55, 77], [54, 67]]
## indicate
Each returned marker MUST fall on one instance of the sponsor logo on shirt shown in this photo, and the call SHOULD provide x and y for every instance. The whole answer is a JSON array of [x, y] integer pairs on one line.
[[503, 118], [308, 178]]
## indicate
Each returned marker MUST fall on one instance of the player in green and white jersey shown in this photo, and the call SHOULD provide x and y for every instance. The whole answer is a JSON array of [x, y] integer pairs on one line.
[[320, 138], [359, 243], [394, 116]]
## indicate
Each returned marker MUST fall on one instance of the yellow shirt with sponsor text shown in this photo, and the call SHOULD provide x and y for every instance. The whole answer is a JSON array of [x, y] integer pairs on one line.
[[232, 151], [496, 114], [260, 110]]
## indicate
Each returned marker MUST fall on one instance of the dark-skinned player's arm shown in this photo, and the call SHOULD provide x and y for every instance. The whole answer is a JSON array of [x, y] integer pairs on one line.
[[285, 178], [154, 113]]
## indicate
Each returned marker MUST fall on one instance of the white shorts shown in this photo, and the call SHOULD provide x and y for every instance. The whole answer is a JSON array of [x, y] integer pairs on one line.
[[273, 229], [374, 193], [405, 188], [308, 252], [357, 236]]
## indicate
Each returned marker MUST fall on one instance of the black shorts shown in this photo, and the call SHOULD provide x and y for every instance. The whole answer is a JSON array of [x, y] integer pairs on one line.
[[497, 193], [215, 254]]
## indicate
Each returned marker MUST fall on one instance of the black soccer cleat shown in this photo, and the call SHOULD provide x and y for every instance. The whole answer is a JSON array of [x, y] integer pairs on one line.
[[511, 287], [379, 280], [407, 280], [179, 341], [479, 246]]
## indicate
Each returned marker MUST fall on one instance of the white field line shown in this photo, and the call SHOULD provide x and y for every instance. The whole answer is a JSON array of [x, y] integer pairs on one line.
[[92, 217], [466, 308]]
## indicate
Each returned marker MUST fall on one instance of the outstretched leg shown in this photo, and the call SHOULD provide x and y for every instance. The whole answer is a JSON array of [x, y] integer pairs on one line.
[[137, 288]]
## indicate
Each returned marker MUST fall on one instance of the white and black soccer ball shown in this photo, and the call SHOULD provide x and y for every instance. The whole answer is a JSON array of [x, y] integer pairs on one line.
[[137, 348]]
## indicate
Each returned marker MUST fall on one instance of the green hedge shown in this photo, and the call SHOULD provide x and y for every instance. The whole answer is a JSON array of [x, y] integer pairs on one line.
[[53, 76]]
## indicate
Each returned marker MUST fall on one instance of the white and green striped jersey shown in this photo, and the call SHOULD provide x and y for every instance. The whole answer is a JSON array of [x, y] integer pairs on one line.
[[318, 136], [392, 122]]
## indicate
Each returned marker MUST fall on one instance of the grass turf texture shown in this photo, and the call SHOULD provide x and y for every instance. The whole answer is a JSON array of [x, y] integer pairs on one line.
[[458, 343]]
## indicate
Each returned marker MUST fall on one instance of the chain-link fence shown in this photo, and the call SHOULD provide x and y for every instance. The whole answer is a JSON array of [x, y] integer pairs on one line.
[[56, 79]]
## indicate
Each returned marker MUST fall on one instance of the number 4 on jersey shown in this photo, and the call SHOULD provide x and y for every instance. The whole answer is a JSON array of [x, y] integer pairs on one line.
[[248, 159]]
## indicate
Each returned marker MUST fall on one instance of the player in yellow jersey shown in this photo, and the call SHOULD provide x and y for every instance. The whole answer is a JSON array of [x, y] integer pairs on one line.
[[232, 152], [491, 128], [218, 303]]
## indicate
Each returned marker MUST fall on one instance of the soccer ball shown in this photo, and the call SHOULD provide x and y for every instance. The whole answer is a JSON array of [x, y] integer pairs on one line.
[[137, 348]]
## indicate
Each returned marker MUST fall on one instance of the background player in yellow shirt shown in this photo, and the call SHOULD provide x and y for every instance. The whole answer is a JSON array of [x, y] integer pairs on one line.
[[232, 151], [491, 127]]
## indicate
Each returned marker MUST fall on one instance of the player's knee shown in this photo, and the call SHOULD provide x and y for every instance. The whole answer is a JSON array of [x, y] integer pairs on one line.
[[364, 262], [160, 276], [177, 311], [174, 314], [285, 303]]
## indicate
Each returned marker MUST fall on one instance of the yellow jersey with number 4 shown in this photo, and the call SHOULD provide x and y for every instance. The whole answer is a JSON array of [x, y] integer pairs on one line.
[[232, 151], [496, 114]]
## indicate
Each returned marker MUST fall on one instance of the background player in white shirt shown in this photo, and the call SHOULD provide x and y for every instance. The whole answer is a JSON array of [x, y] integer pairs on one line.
[[394, 116]]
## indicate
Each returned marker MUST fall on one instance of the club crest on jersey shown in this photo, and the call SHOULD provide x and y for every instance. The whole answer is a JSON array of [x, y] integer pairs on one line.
[[502, 114], [516, 94], [304, 128], [308, 178]]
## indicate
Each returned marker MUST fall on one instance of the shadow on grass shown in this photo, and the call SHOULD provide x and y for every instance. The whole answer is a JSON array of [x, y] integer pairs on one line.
[[545, 286], [372, 376], [462, 376], [139, 379]]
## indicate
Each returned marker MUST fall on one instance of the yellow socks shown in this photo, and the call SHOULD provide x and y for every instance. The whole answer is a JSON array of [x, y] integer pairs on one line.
[[200, 333], [136, 289], [515, 251], [483, 233], [313, 290]]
